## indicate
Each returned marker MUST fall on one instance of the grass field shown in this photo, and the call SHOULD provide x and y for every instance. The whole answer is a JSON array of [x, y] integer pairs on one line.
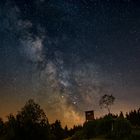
[[135, 136]]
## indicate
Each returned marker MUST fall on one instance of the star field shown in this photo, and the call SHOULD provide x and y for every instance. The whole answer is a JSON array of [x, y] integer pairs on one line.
[[66, 54]]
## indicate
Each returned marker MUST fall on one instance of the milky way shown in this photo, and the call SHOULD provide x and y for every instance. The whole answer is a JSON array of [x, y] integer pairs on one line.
[[67, 54]]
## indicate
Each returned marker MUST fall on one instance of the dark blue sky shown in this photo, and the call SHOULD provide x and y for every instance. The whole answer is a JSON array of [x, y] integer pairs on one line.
[[69, 53]]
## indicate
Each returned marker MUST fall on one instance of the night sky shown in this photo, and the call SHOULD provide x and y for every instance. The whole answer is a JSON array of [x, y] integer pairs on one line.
[[66, 54]]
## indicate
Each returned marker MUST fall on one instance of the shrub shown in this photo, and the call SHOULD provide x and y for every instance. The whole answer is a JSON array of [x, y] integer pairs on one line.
[[79, 135], [104, 125], [121, 128], [89, 129]]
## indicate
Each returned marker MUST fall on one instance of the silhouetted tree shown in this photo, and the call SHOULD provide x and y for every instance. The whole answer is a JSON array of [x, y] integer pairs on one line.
[[121, 128], [106, 101], [104, 125], [89, 129], [33, 121], [57, 130], [30, 123], [75, 129], [1, 127], [121, 115], [134, 117], [32, 112], [11, 128], [66, 132]]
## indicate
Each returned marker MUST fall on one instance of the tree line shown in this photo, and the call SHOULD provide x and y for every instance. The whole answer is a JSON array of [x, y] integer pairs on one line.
[[110, 126], [31, 123]]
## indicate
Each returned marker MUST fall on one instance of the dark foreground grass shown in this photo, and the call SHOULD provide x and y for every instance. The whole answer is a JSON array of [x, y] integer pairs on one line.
[[134, 136]]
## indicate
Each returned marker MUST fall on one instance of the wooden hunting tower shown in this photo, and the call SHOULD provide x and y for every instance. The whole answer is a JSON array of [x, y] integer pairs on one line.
[[89, 115]]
